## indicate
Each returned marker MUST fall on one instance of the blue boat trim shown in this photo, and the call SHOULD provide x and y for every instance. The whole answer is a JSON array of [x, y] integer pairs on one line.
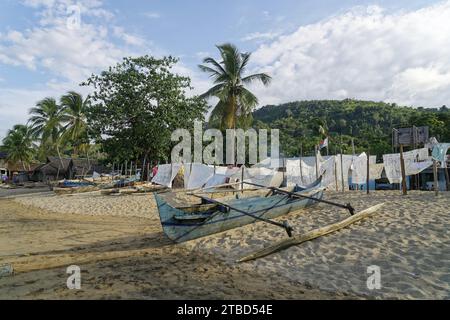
[[267, 207]]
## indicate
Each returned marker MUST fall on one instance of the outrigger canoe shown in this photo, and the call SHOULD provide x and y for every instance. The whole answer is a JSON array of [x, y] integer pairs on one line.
[[213, 216]]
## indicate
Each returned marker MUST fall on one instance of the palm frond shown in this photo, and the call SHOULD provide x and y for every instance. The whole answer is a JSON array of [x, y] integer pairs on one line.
[[231, 60], [213, 92], [216, 64], [264, 78], [245, 59]]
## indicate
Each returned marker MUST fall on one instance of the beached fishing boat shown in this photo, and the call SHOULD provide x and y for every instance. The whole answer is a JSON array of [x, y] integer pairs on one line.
[[217, 215], [62, 191], [74, 184]]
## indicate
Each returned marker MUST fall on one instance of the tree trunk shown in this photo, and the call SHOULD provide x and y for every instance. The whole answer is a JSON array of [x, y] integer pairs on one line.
[[229, 119], [60, 160]]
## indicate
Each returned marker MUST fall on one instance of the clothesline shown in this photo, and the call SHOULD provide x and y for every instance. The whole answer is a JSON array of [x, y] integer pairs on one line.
[[336, 170]]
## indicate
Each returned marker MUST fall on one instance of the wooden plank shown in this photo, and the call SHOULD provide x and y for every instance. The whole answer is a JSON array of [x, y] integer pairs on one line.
[[300, 163], [402, 167], [368, 172], [342, 170], [447, 178], [316, 150], [310, 235], [435, 176]]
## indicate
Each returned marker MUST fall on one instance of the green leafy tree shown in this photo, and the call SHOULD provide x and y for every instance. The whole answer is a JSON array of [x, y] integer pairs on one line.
[[19, 145], [236, 102], [137, 104]]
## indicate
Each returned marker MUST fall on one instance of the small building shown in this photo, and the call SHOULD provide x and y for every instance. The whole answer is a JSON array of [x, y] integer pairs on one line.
[[3, 164], [54, 169]]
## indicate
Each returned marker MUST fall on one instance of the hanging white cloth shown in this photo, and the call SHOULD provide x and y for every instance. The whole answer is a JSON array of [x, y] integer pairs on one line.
[[359, 169], [197, 175], [375, 170], [327, 171], [221, 176], [262, 176], [347, 161], [166, 173], [392, 167], [269, 163], [293, 175], [415, 162], [412, 168]]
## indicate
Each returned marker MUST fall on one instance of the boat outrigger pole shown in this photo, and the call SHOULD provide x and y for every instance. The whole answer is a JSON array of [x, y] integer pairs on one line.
[[347, 206], [285, 225]]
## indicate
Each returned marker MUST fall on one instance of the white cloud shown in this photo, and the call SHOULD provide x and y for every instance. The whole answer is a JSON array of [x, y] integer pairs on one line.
[[14, 106], [365, 53], [68, 55], [129, 39], [71, 53], [260, 36], [152, 15]]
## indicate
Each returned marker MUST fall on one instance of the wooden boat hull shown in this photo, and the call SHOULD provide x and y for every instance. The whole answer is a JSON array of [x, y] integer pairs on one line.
[[220, 219], [62, 191]]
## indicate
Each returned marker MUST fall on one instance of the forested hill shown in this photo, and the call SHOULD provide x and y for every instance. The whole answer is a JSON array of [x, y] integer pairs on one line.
[[369, 123]]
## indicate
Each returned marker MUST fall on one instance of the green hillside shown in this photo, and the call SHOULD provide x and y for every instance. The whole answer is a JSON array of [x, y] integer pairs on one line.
[[369, 123]]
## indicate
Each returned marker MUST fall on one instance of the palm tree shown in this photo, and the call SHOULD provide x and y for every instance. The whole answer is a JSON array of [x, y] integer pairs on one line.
[[74, 110], [46, 124], [235, 101], [19, 145]]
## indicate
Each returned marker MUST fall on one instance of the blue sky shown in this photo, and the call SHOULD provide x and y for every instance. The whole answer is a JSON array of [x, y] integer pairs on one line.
[[380, 50]]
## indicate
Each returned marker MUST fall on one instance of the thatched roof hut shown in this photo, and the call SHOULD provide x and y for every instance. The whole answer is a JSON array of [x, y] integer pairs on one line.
[[55, 168]]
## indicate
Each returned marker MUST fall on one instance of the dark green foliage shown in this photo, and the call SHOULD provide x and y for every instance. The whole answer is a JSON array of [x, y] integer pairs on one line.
[[369, 123], [137, 104]]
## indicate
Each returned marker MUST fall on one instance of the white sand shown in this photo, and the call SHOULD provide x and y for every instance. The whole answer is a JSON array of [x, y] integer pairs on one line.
[[408, 239]]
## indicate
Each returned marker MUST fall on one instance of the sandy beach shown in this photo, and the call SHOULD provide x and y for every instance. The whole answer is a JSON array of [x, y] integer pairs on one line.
[[119, 245]]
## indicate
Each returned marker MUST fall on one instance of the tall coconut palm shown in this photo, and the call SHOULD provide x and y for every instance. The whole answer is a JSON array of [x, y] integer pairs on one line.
[[236, 102], [19, 145], [46, 123], [74, 110]]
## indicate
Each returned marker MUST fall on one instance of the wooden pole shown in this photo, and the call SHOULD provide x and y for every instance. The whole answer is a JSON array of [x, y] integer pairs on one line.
[[342, 169], [447, 178], [435, 176], [353, 154], [143, 168], [368, 172], [402, 167], [353, 147], [316, 151], [313, 234], [300, 162], [335, 174], [242, 179], [126, 167]]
